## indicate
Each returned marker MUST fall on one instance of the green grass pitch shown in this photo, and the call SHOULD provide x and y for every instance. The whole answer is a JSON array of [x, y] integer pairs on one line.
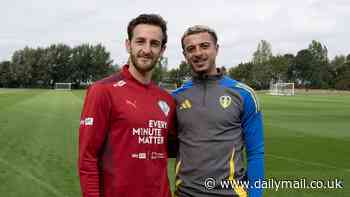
[[306, 136]]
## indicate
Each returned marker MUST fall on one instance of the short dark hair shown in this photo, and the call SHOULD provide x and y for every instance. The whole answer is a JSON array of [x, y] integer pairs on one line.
[[199, 29], [149, 19]]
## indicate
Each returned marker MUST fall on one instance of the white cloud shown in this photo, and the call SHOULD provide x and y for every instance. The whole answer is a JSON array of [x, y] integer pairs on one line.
[[288, 25]]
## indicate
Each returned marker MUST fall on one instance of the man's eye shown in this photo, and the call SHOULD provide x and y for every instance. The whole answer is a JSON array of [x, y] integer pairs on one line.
[[155, 44], [190, 49], [139, 41], [205, 46]]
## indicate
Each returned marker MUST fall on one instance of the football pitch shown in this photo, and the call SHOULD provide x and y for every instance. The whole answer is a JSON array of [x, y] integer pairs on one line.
[[307, 136]]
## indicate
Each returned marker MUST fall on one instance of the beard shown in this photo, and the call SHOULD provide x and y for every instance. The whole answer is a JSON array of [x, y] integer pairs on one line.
[[143, 67], [208, 66]]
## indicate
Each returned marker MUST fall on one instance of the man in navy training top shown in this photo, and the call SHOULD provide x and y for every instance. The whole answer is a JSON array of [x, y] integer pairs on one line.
[[217, 118]]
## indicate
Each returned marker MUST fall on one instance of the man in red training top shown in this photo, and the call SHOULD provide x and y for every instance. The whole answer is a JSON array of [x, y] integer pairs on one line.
[[125, 122]]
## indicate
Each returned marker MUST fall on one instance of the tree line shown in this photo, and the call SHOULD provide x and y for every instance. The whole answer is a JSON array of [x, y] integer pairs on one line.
[[43, 67], [309, 68]]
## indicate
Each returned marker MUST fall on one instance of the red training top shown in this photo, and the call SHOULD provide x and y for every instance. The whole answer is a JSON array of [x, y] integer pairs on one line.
[[123, 138]]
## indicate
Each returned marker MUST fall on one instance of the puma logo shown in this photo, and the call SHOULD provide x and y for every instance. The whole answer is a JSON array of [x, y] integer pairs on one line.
[[131, 103]]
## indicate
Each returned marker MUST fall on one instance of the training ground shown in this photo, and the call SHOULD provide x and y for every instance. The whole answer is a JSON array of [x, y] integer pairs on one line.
[[306, 136]]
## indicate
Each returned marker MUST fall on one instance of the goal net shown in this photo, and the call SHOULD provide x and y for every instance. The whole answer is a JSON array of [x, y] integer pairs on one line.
[[282, 89], [63, 86]]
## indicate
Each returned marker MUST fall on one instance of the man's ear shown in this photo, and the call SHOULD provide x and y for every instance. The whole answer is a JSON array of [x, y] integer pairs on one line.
[[162, 50], [217, 49], [127, 45]]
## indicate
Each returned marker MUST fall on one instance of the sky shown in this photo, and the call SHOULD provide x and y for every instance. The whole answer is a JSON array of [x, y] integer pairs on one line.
[[288, 25]]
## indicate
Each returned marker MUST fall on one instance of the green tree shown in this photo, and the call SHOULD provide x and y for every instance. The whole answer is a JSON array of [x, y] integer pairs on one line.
[[262, 68], [23, 62], [185, 71], [303, 67], [342, 81], [101, 62], [42, 67], [179, 75], [279, 67], [319, 52], [160, 70], [115, 68], [322, 74], [173, 77], [348, 58], [243, 72], [263, 52], [90, 63], [6, 74], [81, 63], [58, 61], [338, 61], [334, 67], [40, 72], [290, 72], [343, 77], [262, 75]]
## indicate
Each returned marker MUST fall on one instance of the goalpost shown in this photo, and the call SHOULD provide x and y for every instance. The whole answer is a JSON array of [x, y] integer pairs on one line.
[[63, 86], [282, 89]]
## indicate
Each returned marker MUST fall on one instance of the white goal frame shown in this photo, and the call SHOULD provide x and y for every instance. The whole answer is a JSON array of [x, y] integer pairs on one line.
[[63, 86], [282, 89]]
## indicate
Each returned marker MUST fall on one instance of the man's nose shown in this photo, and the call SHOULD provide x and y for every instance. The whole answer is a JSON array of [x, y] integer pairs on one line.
[[146, 48], [197, 52]]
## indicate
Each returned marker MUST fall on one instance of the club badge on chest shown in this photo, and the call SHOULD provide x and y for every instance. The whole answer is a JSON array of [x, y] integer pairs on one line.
[[164, 107], [225, 101]]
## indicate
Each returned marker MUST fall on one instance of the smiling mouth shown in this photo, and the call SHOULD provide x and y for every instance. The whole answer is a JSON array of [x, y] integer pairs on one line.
[[144, 59], [199, 62]]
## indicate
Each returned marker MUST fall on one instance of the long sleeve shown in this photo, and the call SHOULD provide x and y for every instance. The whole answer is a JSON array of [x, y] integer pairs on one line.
[[254, 139], [94, 125]]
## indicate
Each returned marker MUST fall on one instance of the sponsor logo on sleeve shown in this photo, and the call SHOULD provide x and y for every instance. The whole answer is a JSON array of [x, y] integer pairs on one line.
[[89, 121]]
